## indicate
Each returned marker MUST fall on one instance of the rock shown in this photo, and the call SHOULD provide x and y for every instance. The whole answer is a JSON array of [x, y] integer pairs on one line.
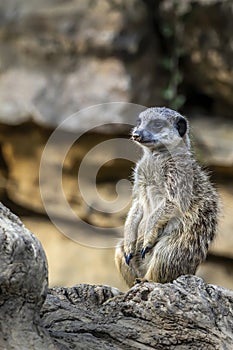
[[74, 55], [223, 244], [205, 42], [16, 99], [149, 315], [154, 315], [213, 139], [23, 280], [22, 160], [34, 97], [23, 256], [217, 270], [69, 262], [74, 27]]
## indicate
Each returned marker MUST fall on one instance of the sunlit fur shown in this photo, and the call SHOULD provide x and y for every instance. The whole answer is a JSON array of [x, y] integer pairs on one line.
[[174, 209]]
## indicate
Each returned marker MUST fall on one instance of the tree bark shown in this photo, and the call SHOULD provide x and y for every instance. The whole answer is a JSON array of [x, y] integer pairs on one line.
[[185, 314]]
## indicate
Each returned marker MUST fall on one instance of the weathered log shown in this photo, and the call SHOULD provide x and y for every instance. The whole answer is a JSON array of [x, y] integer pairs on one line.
[[23, 286], [185, 314]]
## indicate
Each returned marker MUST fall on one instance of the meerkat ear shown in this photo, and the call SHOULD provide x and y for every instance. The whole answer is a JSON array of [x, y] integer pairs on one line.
[[181, 126]]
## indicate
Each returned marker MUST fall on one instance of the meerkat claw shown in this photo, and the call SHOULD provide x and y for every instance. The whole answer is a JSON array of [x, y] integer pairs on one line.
[[144, 251], [140, 280], [128, 258]]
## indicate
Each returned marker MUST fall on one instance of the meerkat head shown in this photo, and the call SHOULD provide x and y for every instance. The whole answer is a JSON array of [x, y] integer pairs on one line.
[[161, 128]]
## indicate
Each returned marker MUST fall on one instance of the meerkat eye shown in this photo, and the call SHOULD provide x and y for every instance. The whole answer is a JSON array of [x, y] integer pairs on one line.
[[157, 124], [181, 126]]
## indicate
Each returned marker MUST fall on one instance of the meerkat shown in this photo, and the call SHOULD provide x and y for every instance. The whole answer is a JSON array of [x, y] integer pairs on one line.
[[175, 208]]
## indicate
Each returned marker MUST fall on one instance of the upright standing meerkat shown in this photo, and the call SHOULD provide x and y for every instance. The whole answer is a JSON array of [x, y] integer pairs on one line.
[[175, 208]]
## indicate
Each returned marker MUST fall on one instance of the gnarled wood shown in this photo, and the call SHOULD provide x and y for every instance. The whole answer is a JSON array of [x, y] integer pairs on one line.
[[23, 286], [185, 314]]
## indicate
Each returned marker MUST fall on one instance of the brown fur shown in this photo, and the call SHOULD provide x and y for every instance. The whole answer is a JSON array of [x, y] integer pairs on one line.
[[175, 208]]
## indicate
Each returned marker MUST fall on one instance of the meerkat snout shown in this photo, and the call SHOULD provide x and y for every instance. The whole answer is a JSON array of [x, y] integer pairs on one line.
[[136, 135], [142, 136]]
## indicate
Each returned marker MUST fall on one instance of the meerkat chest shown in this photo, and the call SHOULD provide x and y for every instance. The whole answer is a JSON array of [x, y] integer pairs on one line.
[[150, 184]]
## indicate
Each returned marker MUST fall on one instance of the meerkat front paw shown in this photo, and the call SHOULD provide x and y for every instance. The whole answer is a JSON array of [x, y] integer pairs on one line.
[[149, 242], [128, 257], [128, 253], [147, 245], [144, 251]]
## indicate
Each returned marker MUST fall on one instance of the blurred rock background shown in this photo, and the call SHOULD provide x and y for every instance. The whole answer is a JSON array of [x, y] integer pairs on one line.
[[58, 57]]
